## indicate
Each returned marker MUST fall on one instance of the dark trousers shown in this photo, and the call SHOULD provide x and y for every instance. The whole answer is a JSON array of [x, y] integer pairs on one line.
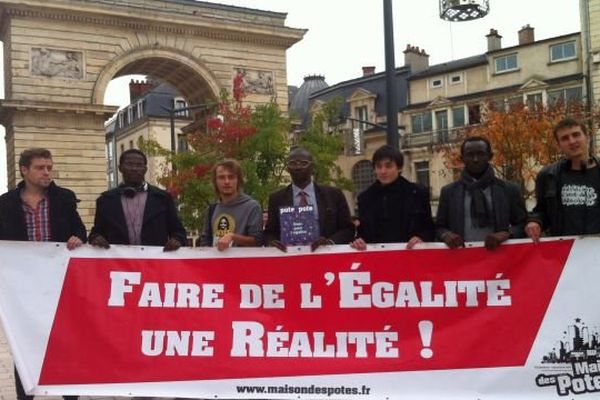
[[21, 392]]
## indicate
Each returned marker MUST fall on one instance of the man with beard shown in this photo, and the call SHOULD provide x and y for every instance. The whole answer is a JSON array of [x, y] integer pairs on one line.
[[136, 213], [479, 206], [331, 209]]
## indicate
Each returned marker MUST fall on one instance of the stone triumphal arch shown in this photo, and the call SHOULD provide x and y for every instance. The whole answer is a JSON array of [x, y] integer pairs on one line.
[[60, 55]]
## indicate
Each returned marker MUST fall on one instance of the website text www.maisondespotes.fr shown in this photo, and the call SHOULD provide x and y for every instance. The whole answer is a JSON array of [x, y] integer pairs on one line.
[[312, 389]]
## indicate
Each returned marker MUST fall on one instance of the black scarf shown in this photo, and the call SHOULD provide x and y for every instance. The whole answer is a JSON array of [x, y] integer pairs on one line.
[[481, 215]]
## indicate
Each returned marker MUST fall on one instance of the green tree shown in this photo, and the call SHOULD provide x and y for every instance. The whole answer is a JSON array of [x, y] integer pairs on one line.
[[255, 137], [324, 140]]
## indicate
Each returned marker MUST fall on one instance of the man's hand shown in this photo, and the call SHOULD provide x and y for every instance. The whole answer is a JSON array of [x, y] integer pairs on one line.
[[358, 244], [278, 245], [320, 242], [74, 242], [99, 241], [453, 240], [413, 241], [534, 231], [172, 245], [225, 242], [493, 240]]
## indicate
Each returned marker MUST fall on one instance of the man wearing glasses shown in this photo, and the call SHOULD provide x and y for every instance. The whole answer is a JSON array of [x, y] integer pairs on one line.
[[330, 206]]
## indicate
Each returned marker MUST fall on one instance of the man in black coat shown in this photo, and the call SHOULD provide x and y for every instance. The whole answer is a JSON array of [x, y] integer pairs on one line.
[[479, 206], [335, 225], [392, 209], [136, 213], [39, 210], [567, 191]]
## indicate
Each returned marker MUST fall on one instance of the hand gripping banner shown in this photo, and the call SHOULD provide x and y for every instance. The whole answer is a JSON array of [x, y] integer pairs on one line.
[[521, 321]]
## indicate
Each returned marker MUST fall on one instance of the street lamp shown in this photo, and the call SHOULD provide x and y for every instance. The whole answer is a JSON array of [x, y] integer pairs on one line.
[[390, 77], [463, 10], [174, 111]]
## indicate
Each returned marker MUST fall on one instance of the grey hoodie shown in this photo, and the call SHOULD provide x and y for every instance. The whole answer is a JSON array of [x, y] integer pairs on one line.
[[242, 215]]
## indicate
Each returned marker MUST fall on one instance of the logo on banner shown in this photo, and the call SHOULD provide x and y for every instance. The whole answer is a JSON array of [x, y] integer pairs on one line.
[[574, 362]]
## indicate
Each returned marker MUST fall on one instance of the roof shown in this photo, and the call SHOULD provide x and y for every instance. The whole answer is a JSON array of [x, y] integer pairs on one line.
[[375, 83], [456, 65]]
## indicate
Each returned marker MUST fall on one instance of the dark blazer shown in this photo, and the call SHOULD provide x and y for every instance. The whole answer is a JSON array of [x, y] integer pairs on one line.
[[509, 209], [160, 219], [334, 215], [64, 219], [394, 213]]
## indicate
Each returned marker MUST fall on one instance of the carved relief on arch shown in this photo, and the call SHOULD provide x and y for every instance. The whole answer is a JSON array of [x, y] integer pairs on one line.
[[256, 81], [56, 63]]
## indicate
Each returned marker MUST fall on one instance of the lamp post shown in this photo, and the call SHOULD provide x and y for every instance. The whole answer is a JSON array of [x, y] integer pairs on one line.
[[390, 76], [173, 111]]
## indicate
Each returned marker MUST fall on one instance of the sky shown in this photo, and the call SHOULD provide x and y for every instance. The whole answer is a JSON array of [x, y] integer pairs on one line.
[[345, 35]]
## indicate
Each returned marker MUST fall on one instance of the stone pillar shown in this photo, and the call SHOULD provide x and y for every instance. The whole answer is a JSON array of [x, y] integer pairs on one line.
[[75, 136]]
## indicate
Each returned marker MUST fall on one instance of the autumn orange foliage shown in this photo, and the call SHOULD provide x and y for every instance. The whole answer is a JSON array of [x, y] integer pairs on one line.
[[521, 137]]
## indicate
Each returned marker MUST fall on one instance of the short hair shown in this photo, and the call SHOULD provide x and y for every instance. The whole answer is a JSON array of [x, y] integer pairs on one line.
[[388, 152], [476, 139], [568, 123], [231, 165], [132, 151], [299, 149], [28, 155]]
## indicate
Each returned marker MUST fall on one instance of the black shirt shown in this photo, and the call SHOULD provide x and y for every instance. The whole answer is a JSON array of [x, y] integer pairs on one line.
[[579, 192]]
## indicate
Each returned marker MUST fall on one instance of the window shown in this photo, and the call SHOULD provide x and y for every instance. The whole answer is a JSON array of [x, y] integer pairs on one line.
[[506, 63], [437, 83], [441, 123], [563, 51], [122, 147], [458, 116], [179, 103], [131, 144], [515, 103], [132, 113], [362, 115], [568, 95], [422, 172], [182, 143], [474, 114], [454, 79], [421, 122], [362, 175], [141, 108], [121, 119], [533, 100]]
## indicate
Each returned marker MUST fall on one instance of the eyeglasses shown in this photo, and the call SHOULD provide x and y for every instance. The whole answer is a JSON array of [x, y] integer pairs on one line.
[[298, 163]]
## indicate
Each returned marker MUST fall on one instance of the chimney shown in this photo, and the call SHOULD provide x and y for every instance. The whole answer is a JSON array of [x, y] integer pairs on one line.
[[139, 88], [526, 35], [494, 40], [416, 59], [368, 71]]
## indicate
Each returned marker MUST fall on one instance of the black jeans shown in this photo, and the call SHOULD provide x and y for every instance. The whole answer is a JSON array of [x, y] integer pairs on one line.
[[21, 392]]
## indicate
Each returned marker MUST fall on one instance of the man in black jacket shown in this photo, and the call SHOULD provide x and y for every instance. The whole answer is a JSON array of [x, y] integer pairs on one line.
[[39, 210], [479, 206], [567, 190], [136, 213], [332, 212], [393, 210]]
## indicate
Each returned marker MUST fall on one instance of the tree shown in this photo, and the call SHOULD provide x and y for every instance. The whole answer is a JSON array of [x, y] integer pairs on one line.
[[323, 139], [522, 139], [255, 137]]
